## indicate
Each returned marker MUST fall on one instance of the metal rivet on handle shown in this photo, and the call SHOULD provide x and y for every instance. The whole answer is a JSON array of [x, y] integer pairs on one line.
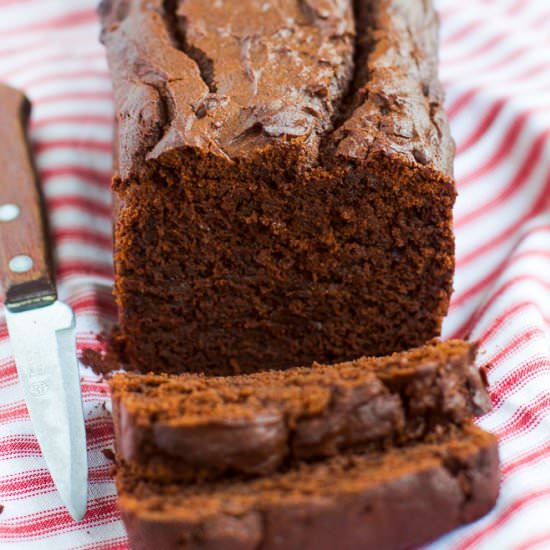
[[21, 264], [9, 212]]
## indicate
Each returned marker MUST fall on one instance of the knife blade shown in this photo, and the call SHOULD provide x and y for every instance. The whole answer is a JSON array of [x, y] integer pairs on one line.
[[41, 328]]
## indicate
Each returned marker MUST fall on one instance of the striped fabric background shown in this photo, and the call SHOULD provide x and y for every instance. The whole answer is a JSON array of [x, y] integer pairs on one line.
[[495, 63]]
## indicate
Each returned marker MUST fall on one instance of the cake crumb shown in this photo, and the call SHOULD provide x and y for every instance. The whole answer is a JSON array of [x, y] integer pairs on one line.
[[484, 373], [108, 454]]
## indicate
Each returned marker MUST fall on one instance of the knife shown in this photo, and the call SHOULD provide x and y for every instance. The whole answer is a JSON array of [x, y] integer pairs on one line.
[[41, 328]]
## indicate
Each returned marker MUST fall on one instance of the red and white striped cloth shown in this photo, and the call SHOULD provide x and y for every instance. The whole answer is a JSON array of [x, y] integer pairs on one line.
[[495, 63]]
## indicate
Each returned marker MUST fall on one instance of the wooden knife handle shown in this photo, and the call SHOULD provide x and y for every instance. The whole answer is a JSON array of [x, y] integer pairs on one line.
[[25, 267]]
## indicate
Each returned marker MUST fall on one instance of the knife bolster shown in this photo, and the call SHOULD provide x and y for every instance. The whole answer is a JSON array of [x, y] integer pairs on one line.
[[30, 295]]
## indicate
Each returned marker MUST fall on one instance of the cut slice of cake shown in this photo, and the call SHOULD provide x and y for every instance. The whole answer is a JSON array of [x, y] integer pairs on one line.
[[283, 181], [193, 427], [390, 500]]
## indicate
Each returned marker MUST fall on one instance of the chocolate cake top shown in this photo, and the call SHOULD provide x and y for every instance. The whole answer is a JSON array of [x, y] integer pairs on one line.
[[237, 78]]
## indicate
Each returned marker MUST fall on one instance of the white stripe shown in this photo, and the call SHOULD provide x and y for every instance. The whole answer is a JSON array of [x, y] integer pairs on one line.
[[70, 216], [27, 14], [65, 186], [75, 156], [79, 130], [64, 107]]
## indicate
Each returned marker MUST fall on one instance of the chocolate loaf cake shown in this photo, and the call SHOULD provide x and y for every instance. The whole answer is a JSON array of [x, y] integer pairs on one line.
[[283, 180], [389, 500], [191, 427]]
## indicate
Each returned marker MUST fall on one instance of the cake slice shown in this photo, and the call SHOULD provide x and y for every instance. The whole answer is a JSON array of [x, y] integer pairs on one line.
[[194, 427], [389, 500], [283, 181]]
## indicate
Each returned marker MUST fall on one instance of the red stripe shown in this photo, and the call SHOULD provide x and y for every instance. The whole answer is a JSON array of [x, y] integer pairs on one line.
[[19, 446], [87, 295], [460, 103], [466, 57], [483, 48], [43, 41], [506, 145], [18, 411], [99, 431], [487, 281], [89, 175], [482, 128], [468, 325], [516, 7], [78, 119], [467, 97], [82, 235], [8, 3], [533, 71], [535, 540], [93, 397], [66, 97], [506, 285], [101, 390], [101, 510], [528, 459], [36, 482], [539, 205], [7, 382], [8, 373], [501, 319], [469, 28], [88, 145], [512, 383], [511, 79], [503, 517], [63, 76], [520, 238], [518, 341], [91, 339], [89, 397], [82, 267], [525, 418], [13, 412], [60, 22], [542, 21], [22, 48], [111, 544], [32, 64], [518, 378], [445, 13], [87, 204], [97, 302], [512, 56]]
